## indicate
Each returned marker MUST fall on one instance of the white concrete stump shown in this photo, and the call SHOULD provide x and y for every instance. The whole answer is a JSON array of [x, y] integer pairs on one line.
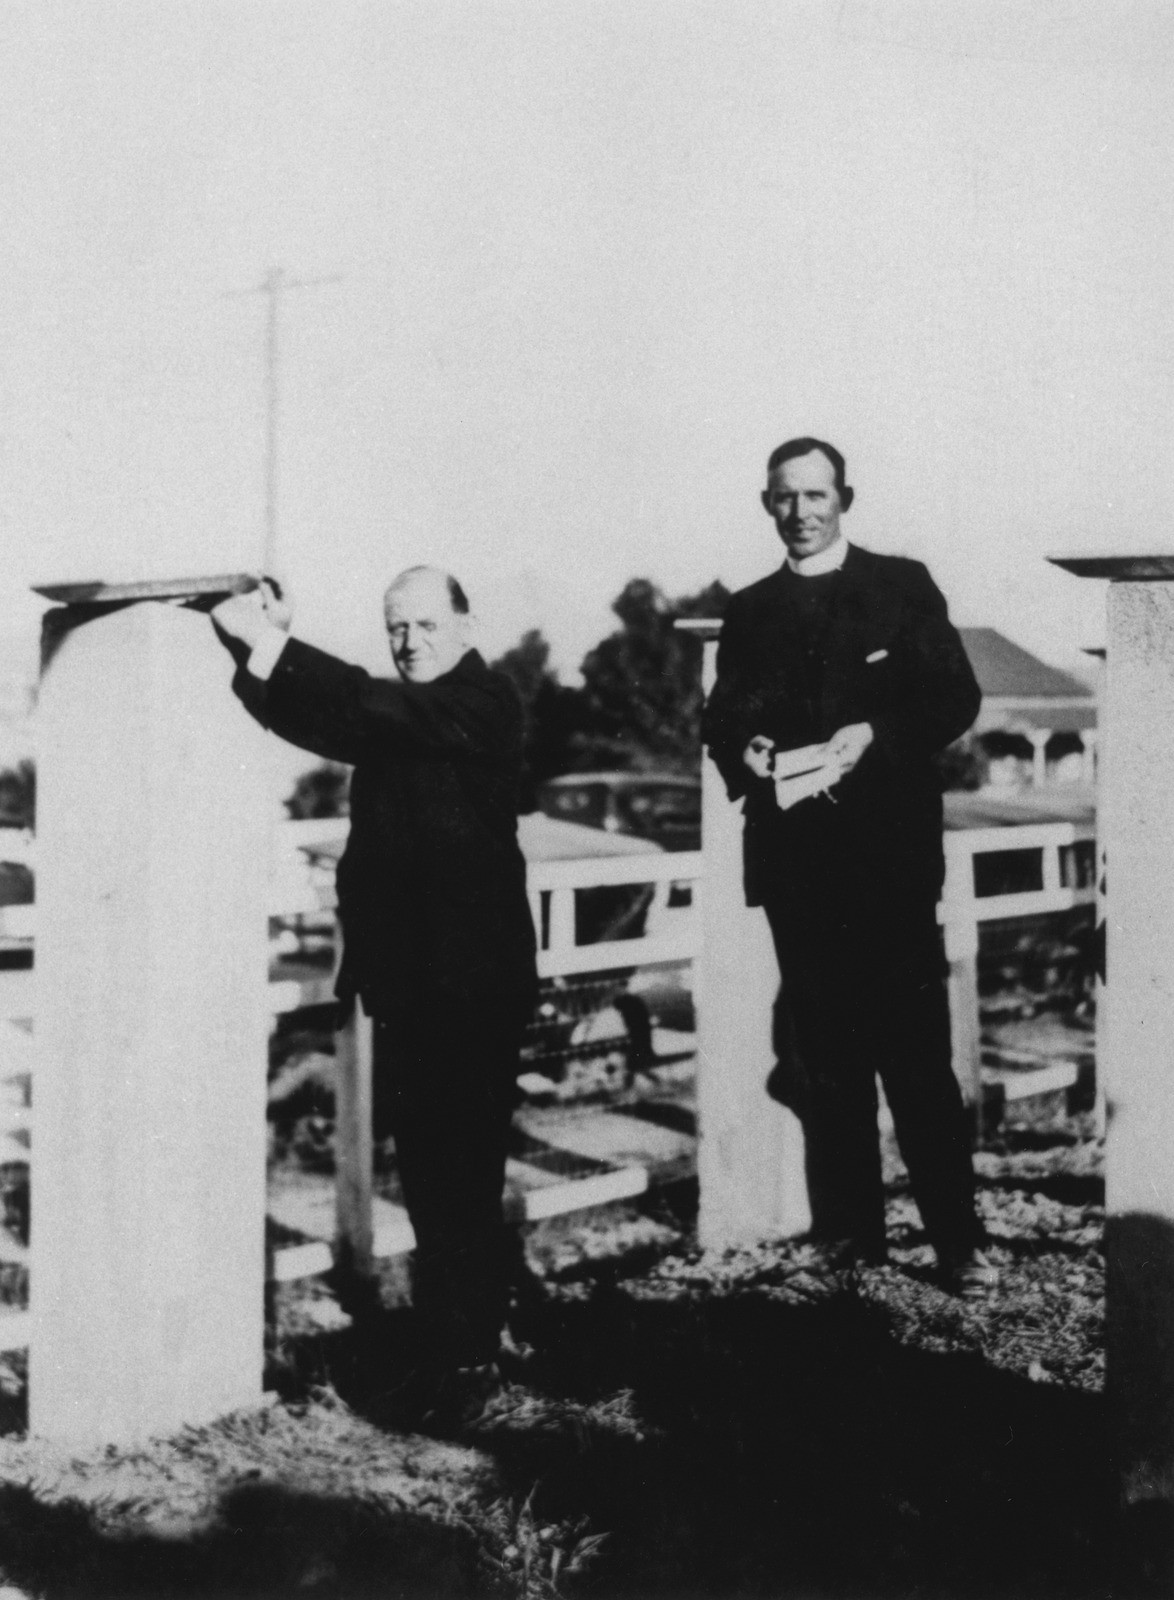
[[1135, 1026], [148, 1198], [750, 1164]]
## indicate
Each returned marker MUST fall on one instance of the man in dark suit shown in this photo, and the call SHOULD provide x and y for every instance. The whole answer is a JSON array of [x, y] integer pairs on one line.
[[853, 654], [438, 941]]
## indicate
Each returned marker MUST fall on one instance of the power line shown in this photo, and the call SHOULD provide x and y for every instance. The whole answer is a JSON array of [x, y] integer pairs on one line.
[[273, 286]]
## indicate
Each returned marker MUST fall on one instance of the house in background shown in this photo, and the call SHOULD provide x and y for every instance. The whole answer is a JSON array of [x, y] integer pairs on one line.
[[1037, 725]]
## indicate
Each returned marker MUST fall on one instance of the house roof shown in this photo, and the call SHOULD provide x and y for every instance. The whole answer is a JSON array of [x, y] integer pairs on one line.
[[1006, 670]]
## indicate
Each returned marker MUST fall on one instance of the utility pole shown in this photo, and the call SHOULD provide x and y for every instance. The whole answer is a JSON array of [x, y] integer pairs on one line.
[[273, 287]]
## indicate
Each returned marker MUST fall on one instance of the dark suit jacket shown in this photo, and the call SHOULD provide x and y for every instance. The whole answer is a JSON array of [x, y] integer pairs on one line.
[[881, 836], [432, 884]]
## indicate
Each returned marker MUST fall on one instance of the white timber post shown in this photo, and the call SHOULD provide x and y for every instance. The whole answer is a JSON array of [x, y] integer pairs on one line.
[[1100, 927], [562, 920], [960, 931], [353, 1145], [1051, 869], [534, 896], [1135, 1025], [1038, 738], [751, 1176], [152, 1022], [1094, 755]]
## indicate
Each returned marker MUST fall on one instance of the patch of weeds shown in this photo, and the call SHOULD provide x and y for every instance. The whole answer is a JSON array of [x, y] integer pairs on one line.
[[527, 1412], [529, 1558], [619, 1243]]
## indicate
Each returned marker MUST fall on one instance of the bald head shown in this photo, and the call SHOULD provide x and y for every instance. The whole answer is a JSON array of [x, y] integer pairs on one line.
[[427, 616]]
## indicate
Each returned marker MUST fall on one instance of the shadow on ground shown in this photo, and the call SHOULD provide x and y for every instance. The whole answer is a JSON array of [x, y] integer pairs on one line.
[[742, 1445], [267, 1543], [803, 1451], [728, 1444]]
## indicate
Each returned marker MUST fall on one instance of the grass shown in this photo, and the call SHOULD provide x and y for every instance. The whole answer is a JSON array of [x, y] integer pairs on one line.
[[690, 1426]]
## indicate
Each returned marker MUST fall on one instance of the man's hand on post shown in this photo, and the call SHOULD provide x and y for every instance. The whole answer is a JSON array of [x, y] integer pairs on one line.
[[241, 616], [278, 611], [759, 756], [848, 745]]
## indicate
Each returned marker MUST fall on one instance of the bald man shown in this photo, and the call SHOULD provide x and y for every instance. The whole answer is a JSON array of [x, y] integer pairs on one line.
[[438, 942]]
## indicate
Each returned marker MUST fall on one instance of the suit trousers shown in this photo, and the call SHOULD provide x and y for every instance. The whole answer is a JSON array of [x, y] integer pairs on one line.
[[863, 994], [445, 1090]]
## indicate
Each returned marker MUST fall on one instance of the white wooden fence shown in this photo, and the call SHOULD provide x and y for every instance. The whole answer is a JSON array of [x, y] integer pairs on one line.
[[1048, 851], [670, 934], [1051, 852]]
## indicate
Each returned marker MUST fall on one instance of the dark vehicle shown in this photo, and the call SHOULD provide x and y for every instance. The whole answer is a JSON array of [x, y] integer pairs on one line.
[[664, 807]]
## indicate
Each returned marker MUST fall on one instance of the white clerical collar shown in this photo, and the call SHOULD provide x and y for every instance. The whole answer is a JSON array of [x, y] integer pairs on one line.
[[829, 560]]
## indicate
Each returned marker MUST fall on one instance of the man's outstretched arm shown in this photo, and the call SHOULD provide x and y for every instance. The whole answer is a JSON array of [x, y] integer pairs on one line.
[[340, 711], [255, 630]]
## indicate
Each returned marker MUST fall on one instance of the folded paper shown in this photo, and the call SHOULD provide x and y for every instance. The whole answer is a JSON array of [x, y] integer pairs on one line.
[[799, 774]]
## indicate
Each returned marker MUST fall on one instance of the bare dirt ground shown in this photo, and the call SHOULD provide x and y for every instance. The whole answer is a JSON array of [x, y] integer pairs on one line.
[[689, 1426]]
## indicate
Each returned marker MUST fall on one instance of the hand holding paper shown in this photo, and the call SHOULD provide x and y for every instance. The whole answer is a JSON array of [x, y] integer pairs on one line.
[[759, 756], [799, 774], [849, 744]]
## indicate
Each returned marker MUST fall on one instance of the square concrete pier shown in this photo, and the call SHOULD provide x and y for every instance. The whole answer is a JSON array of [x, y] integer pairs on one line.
[[1135, 1027], [152, 1021], [750, 1153]]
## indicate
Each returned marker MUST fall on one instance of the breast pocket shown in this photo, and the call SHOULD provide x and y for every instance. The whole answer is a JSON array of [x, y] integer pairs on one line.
[[878, 674]]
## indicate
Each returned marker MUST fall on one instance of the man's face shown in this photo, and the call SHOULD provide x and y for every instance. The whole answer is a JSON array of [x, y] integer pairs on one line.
[[802, 497], [426, 635]]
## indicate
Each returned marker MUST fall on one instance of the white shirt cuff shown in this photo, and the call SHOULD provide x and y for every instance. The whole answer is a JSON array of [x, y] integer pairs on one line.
[[266, 653]]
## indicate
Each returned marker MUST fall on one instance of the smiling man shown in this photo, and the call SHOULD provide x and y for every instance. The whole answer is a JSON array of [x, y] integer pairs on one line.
[[438, 942], [843, 665], [427, 617]]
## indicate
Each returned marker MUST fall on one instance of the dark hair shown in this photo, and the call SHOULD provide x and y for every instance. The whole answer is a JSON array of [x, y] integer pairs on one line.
[[458, 599], [804, 447]]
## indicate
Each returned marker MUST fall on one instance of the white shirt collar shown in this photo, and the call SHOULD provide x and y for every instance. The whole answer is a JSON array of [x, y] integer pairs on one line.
[[829, 560]]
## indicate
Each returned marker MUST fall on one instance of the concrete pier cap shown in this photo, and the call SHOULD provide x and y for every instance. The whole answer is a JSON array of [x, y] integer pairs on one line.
[[1135, 1027], [152, 1020]]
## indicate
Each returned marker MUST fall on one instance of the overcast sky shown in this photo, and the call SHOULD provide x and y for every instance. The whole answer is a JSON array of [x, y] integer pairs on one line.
[[594, 260]]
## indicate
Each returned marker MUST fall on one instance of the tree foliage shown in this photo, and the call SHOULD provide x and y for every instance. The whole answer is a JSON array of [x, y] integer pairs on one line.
[[642, 692], [962, 765], [18, 795], [639, 706], [321, 792], [553, 712]]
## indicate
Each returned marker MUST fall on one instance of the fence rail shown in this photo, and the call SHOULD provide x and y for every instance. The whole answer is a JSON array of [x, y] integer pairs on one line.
[[1060, 855], [1057, 858]]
